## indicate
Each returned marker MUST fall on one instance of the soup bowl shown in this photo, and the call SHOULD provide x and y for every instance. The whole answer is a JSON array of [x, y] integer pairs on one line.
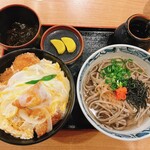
[[6, 61], [137, 55], [19, 27]]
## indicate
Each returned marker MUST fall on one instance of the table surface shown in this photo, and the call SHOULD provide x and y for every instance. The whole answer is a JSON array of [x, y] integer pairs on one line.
[[83, 13]]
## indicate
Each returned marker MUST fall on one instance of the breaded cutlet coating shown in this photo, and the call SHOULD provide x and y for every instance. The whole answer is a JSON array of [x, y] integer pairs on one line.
[[41, 129], [20, 62], [25, 60], [5, 76]]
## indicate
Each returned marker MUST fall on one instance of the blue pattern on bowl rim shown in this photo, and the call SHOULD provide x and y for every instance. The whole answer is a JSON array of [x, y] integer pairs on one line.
[[112, 49]]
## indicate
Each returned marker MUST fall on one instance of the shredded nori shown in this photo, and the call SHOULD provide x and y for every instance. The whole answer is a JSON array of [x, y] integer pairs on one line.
[[137, 93]]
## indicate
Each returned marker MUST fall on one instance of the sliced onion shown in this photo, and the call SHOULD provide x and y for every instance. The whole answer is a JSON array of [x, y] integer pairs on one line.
[[43, 93], [25, 116], [22, 100], [49, 124], [49, 120], [40, 106]]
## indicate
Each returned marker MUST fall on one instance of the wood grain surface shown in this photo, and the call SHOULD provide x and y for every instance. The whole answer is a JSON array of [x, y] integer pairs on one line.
[[81, 140], [83, 13]]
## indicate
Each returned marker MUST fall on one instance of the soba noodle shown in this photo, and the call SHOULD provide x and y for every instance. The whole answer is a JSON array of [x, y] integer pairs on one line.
[[102, 103]]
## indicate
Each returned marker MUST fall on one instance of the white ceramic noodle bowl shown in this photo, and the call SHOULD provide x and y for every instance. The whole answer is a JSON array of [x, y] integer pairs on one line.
[[139, 56]]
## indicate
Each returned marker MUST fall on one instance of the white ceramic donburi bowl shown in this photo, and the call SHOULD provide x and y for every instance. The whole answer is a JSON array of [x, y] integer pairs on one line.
[[139, 56]]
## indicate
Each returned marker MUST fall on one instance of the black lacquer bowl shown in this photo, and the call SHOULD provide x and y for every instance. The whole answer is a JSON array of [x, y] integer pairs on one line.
[[6, 62]]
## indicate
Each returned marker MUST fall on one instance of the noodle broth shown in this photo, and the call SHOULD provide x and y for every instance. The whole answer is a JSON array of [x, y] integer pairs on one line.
[[101, 101]]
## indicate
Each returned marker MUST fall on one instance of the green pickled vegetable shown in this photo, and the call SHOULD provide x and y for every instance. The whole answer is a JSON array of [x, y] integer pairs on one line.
[[45, 78]]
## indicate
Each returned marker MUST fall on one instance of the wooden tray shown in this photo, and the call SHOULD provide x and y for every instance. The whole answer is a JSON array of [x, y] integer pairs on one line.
[[94, 39]]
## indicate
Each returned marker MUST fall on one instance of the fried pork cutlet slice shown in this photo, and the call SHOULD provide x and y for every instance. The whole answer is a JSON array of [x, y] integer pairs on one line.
[[25, 60], [41, 129], [5, 76], [20, 62]]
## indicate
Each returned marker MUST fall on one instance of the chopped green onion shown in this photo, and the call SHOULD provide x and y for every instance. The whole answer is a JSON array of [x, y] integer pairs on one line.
[[113, 86], [140, 70], [130, 60], [107, 81], [116, 73]]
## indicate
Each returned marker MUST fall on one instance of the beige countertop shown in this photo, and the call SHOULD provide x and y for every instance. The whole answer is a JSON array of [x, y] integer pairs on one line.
[[83, 13]]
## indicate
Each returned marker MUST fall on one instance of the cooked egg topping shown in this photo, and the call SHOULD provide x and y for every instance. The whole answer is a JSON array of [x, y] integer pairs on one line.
[[25, 108]]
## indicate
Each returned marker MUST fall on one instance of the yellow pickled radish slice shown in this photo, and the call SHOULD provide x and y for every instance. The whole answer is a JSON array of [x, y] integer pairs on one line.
[[7, 109], [70, 44], [59, 45]]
